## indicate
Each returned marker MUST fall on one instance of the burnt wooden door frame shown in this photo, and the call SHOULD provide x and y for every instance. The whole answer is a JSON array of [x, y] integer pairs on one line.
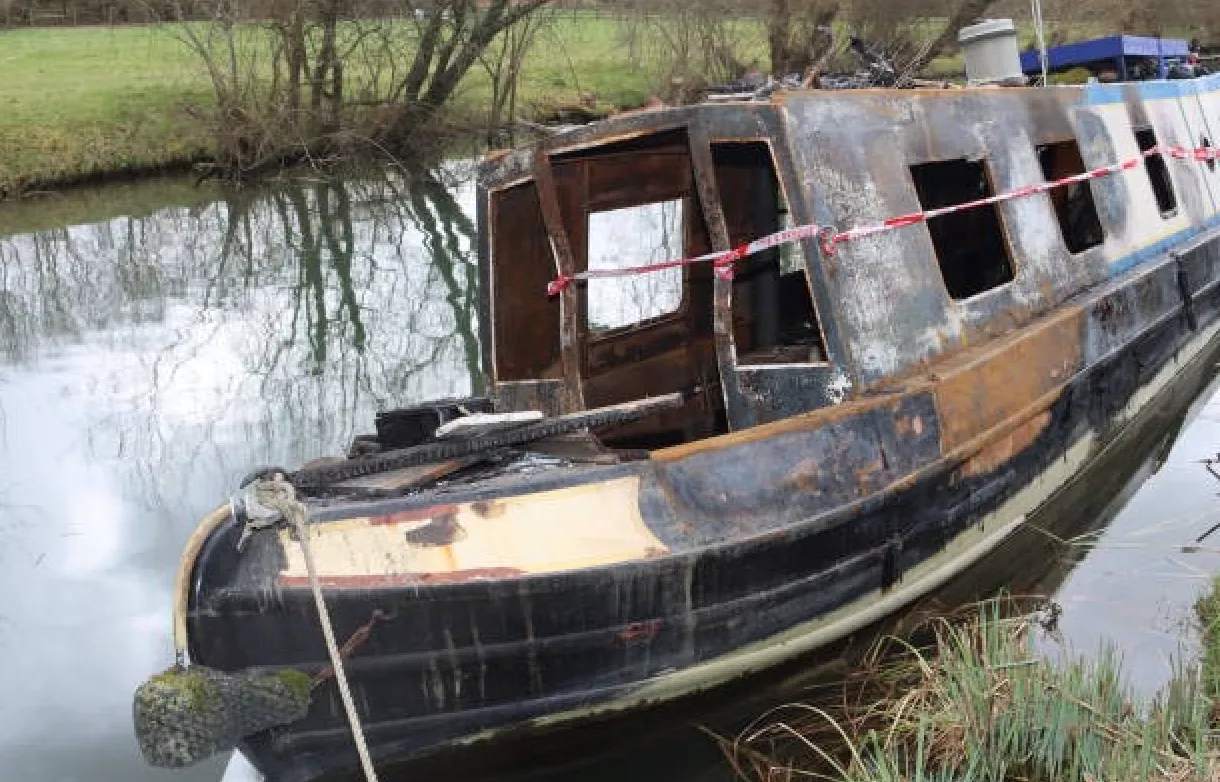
[[575, 186], [574, 334], [704, 167], [565, 265]]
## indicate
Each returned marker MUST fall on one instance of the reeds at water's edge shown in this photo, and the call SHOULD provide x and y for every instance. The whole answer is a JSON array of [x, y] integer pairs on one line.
[[977, 700]]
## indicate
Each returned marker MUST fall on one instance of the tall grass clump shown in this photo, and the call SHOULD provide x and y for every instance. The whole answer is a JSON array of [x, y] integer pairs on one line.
[[982, 703], [1208, 611]]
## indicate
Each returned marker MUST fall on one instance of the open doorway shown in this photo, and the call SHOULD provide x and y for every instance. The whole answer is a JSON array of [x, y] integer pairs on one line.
[[774, 319], [630, 204]]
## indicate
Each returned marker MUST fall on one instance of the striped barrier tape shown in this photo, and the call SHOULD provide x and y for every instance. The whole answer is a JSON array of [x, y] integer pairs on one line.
[[829, 237], [1199, 154]]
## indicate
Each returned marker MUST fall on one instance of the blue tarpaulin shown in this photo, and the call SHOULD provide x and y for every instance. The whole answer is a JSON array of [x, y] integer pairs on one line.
[[1115, 50]]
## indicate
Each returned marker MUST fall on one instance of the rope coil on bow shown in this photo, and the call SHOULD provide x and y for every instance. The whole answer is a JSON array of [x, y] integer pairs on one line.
[[278, 494]]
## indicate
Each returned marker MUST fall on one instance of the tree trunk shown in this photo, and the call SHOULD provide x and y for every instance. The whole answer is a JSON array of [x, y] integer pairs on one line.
[[779, 23], [296, 63], [326, 83]]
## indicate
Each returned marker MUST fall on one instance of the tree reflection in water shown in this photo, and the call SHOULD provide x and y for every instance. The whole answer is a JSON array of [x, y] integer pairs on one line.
[[146, 363], [267, 327]]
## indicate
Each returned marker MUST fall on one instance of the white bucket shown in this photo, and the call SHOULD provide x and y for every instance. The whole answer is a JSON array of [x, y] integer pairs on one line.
[[990, 49]]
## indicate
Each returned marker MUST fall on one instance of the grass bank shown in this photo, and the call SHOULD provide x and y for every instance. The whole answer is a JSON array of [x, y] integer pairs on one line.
[[87, 101], [76, 102], [1208, 610], [983, 701]]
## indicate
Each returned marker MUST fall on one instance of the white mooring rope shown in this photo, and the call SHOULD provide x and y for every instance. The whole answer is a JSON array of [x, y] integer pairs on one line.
[[279, 495], [1040, 29]]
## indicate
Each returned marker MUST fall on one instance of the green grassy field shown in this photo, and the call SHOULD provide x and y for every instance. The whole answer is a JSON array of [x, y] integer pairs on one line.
[[76, 101], [101, 100], [80, 101]]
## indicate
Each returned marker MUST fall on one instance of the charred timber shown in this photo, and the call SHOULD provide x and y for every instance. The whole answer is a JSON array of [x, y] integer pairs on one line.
[[845, 434]]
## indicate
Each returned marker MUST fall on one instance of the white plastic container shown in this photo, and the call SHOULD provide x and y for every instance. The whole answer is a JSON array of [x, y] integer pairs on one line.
[[990, 49]]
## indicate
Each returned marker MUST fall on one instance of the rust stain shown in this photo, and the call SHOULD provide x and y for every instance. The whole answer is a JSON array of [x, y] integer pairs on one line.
[[451, 564], [803, 476], [1000, 450], [640, 631], [866, 476], [804, 422], [488, 509], [442, 530], [356, 640], [414, 514], [403, 579], [988, 389], [473, 574]]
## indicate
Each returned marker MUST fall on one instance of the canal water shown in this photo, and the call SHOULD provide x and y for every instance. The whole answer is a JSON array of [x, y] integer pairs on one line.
[[158, 339]]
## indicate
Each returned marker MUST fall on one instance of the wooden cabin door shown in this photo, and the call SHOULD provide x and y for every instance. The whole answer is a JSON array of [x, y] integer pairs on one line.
[[646, 334]]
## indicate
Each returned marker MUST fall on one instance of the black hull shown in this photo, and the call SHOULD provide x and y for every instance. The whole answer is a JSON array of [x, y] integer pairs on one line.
[[676, 738], [505, 660]]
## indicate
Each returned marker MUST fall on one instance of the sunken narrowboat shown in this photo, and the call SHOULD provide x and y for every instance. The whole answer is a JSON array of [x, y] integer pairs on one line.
[[716, 467]]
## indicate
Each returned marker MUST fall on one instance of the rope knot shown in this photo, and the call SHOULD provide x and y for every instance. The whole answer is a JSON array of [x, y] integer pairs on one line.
[[558, 285], [828, 240], [724, 266]]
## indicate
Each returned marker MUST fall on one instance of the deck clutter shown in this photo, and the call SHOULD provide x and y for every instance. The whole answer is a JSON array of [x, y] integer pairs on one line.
[[761, 373]]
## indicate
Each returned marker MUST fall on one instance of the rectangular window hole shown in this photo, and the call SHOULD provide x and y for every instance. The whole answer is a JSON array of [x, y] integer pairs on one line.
[[635, 236], [774, 319], [1073, 203], [970, 245], [1158, 172]]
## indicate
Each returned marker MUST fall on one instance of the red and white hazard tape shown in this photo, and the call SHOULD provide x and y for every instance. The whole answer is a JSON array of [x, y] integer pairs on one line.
[[1200, 154], [829, 237]]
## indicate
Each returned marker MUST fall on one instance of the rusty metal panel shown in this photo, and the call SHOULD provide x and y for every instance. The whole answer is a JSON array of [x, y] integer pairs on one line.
[[795, 470], [1004, 378], [773, 393], [547, 396], [1121, 312], [856, 152]]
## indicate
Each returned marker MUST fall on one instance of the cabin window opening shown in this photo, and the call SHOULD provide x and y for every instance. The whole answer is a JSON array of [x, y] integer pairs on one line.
[[635, 236], [1206, 144], [970, 245], [774, 319], [1158, 172], [1074, 205]]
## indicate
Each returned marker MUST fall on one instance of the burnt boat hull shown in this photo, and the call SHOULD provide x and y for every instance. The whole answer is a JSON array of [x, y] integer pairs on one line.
[[769, 555]]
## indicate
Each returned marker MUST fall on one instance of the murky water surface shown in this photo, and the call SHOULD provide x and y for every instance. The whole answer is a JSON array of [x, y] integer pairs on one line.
[[157, 340]]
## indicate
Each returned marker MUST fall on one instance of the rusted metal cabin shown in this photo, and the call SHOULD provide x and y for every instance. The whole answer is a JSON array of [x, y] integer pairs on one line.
[[841, 434]]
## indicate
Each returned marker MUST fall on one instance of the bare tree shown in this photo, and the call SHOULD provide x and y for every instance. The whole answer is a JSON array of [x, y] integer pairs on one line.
[[689, 44], [313, 78], [686, 44], [502, 61], [794, 32], [451, 35]]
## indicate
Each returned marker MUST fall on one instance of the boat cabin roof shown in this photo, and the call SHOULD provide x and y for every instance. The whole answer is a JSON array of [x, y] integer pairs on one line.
[[796, 328]]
